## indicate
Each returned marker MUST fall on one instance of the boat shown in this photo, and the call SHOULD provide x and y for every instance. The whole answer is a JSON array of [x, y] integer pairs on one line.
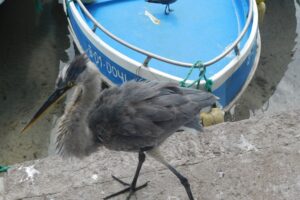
[[203, 44]]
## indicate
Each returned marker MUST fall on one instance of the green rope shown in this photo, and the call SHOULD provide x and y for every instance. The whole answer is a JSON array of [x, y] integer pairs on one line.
[[202, 69], [183, 82], [67, 6], [3, 168]]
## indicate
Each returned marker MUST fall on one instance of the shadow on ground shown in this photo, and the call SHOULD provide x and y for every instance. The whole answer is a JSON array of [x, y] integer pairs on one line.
[[32, 44]]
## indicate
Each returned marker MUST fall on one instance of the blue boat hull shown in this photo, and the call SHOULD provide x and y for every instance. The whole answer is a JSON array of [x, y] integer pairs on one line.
[[115, 74]]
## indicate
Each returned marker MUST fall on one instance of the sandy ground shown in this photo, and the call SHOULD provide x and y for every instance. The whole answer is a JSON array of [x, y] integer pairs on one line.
[[254, 159], [32, 44]]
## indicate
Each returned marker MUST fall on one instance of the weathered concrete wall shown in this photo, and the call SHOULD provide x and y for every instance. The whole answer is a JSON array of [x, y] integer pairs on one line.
[[252, 159]]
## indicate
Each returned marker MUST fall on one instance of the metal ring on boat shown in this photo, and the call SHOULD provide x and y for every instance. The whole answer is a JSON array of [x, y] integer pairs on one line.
[[233, 46]]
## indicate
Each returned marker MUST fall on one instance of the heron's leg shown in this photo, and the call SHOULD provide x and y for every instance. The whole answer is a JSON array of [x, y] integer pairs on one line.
[[131, 187], [168, 9], [183, 180], [120, 181], [142, 158]]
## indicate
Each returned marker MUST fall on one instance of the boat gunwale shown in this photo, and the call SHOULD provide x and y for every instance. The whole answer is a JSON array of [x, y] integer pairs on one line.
[[150, 55], [138, 68], [250, 76]]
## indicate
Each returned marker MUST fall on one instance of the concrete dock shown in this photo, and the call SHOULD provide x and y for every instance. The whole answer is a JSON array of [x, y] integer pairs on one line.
[[257, 159]]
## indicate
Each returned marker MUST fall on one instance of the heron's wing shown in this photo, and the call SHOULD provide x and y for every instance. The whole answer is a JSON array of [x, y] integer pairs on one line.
[[146, 109]]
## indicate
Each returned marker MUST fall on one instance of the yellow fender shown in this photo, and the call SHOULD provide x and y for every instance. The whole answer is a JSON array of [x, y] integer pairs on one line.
[[215, 116], [261, 6]]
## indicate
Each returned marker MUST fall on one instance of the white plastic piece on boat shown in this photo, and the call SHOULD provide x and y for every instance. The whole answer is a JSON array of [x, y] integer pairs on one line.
[[152, 18]]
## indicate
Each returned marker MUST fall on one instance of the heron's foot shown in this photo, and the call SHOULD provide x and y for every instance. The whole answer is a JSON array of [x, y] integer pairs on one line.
[[130, 188], [120, 181], [168, 11]]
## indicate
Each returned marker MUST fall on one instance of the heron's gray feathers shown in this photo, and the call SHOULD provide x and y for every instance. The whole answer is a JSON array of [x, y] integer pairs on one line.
[[73, 136], [194, 124], [145, 113], [72, 71]]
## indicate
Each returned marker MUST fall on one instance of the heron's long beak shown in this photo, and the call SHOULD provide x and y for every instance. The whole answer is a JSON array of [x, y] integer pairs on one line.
[[54, 97]]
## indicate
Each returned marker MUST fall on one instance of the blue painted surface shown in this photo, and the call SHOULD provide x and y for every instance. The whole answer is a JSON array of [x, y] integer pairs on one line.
[[117, 74], [232, 86], [196, 30], [108, 68]]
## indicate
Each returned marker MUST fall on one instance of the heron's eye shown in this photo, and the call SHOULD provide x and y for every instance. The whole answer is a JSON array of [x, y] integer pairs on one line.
[[71, 84]]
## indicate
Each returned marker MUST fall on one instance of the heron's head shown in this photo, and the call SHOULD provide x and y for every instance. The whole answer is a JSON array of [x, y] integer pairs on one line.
[[71, 75]]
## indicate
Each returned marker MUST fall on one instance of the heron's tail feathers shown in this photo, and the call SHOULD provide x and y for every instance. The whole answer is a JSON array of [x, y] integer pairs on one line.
[[201, 98], [194, 124]]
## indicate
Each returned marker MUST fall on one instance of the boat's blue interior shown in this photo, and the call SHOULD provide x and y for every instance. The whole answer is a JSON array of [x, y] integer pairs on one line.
[[195, 30]]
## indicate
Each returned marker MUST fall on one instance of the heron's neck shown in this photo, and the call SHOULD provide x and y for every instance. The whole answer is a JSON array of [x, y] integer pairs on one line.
[[82, 99], [74, 136]]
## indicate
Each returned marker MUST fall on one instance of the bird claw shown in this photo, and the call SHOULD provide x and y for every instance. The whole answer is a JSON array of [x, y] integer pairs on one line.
[[120, 181], [129, 189]]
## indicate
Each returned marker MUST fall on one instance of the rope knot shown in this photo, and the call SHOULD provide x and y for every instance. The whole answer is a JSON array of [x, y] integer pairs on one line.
[[202, 74]]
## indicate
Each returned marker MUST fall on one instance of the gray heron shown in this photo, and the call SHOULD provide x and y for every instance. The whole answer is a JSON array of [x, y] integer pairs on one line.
[[164, 2], [135, 117]]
